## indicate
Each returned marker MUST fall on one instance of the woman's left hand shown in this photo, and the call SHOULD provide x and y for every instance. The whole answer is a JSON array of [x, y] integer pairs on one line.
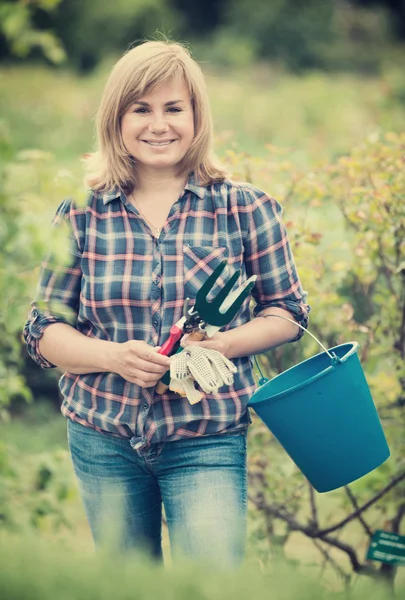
[[217, 342]]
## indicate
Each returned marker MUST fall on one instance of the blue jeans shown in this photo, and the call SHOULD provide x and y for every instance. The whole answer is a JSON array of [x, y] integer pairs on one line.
[[202, 483]]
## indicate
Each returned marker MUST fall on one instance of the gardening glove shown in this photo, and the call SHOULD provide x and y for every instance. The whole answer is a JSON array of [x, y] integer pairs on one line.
[[209, 368], [186, 388], [181, 380]]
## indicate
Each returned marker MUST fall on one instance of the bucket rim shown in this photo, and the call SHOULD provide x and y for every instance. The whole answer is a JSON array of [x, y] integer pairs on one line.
[[354, 348]]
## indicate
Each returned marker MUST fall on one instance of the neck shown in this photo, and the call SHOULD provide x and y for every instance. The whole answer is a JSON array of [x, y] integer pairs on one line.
[[155, 182]]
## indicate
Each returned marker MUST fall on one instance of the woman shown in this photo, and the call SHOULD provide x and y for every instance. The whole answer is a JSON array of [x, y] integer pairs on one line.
[[160, 216]]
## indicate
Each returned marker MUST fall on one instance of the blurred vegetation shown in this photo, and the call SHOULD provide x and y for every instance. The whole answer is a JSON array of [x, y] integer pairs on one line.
[[316, 117], [316, 34], [353, 271], [338, 34], [327, 145], [19, 36], [353, 264], [52, 571]]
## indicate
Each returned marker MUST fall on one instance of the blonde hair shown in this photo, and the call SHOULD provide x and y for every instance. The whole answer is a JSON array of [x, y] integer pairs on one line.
[[140, 71]]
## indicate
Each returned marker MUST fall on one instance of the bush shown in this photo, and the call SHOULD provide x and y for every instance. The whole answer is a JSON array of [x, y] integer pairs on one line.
[[346, 223], [317, 34]]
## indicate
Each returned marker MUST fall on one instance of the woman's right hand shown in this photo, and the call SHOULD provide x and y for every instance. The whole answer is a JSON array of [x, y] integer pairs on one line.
[[139, 363]]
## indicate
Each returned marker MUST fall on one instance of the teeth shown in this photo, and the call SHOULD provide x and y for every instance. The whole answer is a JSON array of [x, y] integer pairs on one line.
[[159, 143]]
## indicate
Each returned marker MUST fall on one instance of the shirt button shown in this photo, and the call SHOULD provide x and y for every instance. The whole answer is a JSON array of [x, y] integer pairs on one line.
[[155, 322], [145, 407]]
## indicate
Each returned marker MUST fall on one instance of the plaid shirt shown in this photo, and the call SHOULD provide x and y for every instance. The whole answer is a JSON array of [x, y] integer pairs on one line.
[[124, 284]]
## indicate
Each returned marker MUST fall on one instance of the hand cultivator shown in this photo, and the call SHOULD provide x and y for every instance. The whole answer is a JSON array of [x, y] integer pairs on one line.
[[205, 318]]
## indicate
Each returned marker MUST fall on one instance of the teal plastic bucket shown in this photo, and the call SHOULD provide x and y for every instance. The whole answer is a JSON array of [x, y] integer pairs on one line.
[[322, 413]]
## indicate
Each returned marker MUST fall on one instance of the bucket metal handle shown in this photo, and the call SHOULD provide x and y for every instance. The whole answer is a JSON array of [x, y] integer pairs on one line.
[[335, 359]]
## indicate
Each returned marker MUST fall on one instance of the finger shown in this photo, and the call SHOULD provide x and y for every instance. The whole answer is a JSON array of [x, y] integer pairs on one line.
[[159, 359], [145, 351], [143, 366], [151, 357], [146, 381]]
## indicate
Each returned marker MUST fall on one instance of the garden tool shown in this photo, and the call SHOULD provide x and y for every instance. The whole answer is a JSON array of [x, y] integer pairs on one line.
[[217, 313], [205, 318], [186, 324], [208, 367], [176, 332], [235, 299]]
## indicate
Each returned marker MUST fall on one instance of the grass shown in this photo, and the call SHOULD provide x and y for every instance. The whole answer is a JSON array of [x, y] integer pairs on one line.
[[317, 116], [34, 570]]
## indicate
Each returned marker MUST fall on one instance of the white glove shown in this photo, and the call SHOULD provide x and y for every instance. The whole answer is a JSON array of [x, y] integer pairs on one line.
[[209, 368], [186, 388]]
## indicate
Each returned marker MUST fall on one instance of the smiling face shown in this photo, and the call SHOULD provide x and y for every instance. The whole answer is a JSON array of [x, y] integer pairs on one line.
[[158, 129]]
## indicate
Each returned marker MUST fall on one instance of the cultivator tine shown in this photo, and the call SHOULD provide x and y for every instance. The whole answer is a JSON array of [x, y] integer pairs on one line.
[[211, 281], [238, 301], [216, 302], [210, 311]]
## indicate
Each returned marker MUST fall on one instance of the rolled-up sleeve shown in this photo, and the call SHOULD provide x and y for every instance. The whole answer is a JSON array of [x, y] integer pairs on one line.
[[58, 291], [268, 255]]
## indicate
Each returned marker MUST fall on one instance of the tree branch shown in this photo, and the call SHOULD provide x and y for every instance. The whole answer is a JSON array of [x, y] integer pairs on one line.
[[365, 506], [396, 521], [350, 551], [385, 269], [314, 510], [330, 560], [313, 533], [355, 504]]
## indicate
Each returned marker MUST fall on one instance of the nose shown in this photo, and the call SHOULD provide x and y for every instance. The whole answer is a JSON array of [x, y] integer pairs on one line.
[[158, 124]]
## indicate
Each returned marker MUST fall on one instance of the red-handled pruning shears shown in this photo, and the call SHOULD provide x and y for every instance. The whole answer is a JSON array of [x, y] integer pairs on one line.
[[188, 323], [176, 333]]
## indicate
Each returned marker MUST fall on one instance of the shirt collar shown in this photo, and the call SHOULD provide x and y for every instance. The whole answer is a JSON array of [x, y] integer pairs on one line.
[[191, 186], [106, 197]]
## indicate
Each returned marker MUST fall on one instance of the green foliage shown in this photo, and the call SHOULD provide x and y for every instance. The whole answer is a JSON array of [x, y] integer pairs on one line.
[[11, 381], [369, 188], [16, 24], [298, 36], [93, 30], [37, 487], [354, 272], [345, 214], [58, 116], [53, 572], [25, 236], [228, 50], [283, 32], [35, 491], [316, 34]]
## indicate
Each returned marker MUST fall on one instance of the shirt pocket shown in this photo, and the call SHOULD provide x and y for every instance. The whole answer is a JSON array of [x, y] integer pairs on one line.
[[199, 263]]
